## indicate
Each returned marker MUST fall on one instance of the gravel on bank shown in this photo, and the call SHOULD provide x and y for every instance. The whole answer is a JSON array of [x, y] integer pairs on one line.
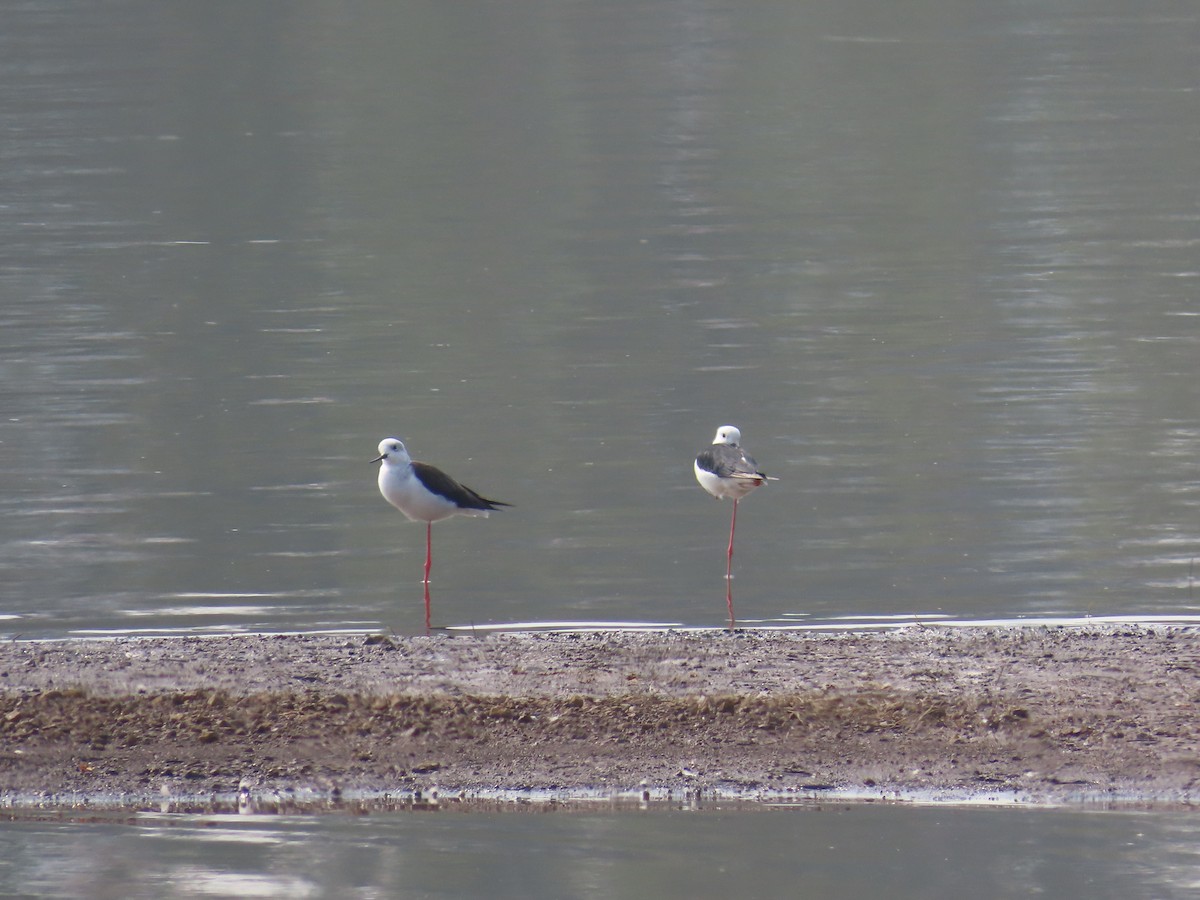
[[1103, 715]]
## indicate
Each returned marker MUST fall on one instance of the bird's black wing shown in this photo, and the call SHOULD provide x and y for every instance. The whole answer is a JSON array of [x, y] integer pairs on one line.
[[461, 495], [725, 461]]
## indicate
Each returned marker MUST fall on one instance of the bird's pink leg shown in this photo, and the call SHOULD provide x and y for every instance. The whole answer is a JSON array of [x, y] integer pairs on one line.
[[729, 567], [428, 566], [428, 549], [729, 552]]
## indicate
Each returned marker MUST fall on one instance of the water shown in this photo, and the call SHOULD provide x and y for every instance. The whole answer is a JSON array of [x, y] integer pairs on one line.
[[940, 269], [813, 851]]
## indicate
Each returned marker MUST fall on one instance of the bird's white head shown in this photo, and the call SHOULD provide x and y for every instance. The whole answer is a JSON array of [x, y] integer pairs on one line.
[[392, 453], [728, 434]]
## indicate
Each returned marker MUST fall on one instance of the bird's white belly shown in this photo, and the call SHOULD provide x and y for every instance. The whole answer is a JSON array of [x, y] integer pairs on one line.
[[418, 504], [734, 488]]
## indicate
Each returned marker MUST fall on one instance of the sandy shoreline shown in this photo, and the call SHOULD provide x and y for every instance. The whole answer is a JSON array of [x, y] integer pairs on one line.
[[1039, 715]]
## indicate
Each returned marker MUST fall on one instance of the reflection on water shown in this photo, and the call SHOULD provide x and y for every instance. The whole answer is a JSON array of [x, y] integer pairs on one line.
[[838, 623], [943, 270], [822, 850]]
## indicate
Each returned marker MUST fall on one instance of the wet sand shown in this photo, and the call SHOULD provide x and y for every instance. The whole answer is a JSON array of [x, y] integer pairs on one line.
[[1036, 715]]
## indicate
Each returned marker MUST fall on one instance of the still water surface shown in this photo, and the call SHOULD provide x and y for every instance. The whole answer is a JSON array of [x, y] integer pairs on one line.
[[941, 270], [825, 851]]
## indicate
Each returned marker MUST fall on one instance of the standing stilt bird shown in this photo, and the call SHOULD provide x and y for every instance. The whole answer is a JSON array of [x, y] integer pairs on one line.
[[425, 493], [724, 470]]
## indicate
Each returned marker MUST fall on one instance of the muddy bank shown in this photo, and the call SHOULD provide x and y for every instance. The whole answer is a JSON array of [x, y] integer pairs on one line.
[[1038, 714]]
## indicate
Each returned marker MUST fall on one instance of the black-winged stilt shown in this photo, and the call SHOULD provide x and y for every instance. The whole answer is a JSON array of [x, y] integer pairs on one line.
[[724, 470], [425, 493]]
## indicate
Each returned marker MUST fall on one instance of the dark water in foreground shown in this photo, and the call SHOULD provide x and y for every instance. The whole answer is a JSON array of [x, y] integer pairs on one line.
[[824, 851]]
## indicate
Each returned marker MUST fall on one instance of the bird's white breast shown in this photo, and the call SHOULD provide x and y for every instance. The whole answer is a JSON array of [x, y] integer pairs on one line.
[[401, 488], [733, 487]]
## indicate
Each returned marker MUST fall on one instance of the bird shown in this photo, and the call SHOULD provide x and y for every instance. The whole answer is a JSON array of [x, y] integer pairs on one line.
[[425, 493], [725, 470]]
